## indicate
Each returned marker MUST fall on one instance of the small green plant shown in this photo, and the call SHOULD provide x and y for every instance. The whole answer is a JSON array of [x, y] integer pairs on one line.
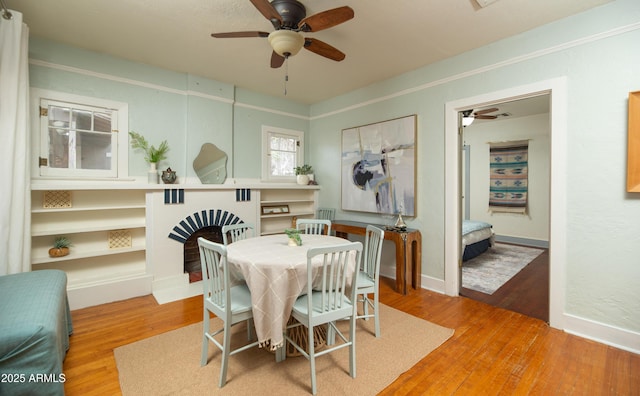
[[61, 242], [294, 234], [152, 154], [305, 169]]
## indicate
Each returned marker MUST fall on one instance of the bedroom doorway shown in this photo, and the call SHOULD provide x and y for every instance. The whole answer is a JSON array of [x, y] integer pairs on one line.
[[505, 261], [557, 91]]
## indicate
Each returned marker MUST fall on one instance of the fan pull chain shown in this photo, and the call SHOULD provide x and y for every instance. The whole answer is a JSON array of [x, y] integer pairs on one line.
[[286, 74]]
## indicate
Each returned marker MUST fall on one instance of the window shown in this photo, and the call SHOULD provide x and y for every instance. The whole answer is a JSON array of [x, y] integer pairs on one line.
[[282, 151], [80, 137]]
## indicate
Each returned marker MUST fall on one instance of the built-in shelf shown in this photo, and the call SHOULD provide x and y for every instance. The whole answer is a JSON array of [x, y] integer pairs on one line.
[[301, 203], [89, 219], [75, 254], [90, 213], [87, 209]]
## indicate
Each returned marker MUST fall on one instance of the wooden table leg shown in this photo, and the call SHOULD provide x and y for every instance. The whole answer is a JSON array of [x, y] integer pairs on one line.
[[401, 263], [414, 250]]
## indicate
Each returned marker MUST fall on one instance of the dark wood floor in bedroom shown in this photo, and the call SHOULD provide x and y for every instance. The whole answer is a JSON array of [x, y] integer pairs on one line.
[[526, 293]]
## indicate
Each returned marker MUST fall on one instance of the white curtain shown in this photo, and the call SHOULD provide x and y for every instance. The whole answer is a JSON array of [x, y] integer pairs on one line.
[[15, 195]]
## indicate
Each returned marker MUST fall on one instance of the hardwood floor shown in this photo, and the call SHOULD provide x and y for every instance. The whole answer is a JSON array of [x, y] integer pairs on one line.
[[493, 350], [527, 292]]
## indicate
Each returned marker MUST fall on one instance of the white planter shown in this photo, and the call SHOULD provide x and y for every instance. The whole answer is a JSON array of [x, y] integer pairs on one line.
[[302, 179], [152, 175]]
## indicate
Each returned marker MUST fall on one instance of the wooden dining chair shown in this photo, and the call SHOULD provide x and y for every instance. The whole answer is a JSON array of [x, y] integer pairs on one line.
[[237, 232], [368, 278], [231, 304], [327, 302], [314, 226]]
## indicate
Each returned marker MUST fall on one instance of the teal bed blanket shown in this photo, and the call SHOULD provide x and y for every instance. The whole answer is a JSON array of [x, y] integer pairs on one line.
[[35, 324]]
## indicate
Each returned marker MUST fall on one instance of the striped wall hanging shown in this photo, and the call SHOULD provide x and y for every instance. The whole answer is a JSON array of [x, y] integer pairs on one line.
[[508, 176]]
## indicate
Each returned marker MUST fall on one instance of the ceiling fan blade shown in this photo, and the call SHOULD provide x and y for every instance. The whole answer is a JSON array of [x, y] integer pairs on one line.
[[326, 19], [267, 10], [485, 117], [491, 110], [323, 49], [276, 60], [239, 34]]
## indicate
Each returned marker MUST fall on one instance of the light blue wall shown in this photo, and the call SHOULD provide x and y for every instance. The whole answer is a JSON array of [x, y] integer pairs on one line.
[[599, 53], [254, 110], [185, 110]]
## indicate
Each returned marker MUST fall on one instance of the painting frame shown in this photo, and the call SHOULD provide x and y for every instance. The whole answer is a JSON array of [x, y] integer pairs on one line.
[[378, 167], [633, 143], [268, 210]]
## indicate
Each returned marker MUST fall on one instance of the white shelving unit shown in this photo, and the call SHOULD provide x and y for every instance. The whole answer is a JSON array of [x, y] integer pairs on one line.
[[107, 229], [89, 213], [302, 202]]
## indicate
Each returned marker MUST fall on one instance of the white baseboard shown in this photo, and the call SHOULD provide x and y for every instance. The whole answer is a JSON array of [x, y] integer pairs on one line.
[[602, 333], [605, 334], [427, 282], [176, 288], [89, 296]]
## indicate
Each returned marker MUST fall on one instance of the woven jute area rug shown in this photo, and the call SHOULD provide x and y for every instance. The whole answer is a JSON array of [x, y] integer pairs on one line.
[[169, 364]]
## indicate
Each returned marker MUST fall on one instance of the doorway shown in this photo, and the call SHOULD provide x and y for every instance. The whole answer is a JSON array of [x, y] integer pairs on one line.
[[556, 88], [487, 276]]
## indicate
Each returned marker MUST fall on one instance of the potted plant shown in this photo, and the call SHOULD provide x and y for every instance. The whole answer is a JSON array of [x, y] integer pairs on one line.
[[60, 247], [302, 174], [294, 236], [152, 154]]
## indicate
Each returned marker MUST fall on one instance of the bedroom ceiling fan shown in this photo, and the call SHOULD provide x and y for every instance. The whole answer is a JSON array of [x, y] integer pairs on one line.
[[483, 114], [289, 19], [468, 116]]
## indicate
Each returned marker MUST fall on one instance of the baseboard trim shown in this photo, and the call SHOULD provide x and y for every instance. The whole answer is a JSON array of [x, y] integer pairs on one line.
[[605, 334], [523, 241], [599, 332], [88, 296]]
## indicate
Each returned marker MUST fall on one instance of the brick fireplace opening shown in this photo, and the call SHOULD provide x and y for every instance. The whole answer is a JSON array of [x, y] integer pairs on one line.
[[207, 224], [192, 252]]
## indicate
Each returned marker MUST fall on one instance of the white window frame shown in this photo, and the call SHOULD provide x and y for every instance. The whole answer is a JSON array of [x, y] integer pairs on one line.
[[268, 131], [40, 139]]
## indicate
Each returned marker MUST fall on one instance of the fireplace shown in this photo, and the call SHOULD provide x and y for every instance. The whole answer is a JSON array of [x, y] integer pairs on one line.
[[175, 220], [207, 224], [192, 251]]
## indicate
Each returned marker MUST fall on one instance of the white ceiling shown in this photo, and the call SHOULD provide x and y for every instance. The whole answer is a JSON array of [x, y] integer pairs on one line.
[[386, 38]]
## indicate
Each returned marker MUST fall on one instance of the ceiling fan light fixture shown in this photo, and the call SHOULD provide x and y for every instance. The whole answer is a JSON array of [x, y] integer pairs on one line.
[[467, 118], [286, 43]]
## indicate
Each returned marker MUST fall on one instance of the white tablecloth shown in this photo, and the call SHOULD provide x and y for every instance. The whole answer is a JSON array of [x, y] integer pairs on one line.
[[276, 274]]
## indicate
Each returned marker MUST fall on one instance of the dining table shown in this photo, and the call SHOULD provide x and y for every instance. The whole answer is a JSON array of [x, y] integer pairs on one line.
[[276, 275]]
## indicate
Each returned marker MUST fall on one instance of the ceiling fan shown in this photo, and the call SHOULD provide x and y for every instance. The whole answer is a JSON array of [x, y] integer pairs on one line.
[[289, 19], [468, 116], [483, 114]]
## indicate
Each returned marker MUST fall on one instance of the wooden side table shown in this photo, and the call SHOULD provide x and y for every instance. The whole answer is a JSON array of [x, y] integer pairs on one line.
[[408, 250]]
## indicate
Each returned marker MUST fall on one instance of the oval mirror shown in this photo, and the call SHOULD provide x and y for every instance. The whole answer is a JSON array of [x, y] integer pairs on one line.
[[211, 164]]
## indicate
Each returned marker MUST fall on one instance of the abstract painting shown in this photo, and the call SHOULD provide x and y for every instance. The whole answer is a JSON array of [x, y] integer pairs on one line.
[[378, 167]]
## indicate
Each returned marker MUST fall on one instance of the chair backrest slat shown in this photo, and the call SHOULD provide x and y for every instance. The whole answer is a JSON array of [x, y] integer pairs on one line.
[[236, 232], [372, 250], [314, 226], [326, 214], [215, 276], [334, 272]]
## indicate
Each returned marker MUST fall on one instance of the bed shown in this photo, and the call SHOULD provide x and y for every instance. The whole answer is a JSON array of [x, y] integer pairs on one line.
[[477, 237], [35, 324]]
